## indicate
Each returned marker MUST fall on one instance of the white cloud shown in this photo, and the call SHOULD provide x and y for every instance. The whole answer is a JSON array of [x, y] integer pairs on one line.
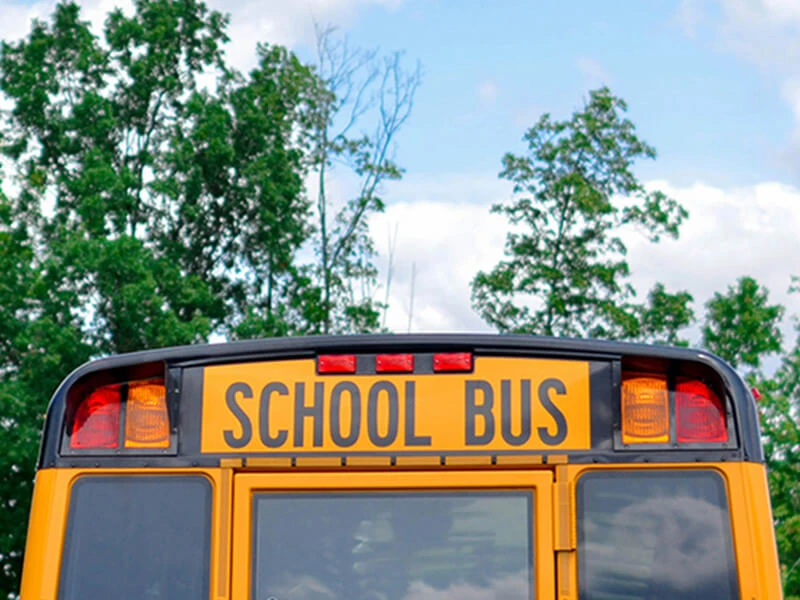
[[487, 93], [449, 234], [689, 16], [765, 33], [513, 586], [730, 233], [440, 247], [783, 10], [761, 31], [445, 234], [287, 22]]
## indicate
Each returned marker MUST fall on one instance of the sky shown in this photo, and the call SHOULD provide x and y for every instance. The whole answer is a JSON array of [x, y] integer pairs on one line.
[[713, 85]]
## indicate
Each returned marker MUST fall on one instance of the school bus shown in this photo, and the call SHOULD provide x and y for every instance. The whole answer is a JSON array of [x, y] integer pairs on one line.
[[402, 467]]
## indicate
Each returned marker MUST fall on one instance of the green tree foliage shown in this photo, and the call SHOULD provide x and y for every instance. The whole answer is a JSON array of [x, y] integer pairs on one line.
[[664, 316], [158, 199], [40, 340], [741, 326], [177, 209], [778, 410], [565, 271]]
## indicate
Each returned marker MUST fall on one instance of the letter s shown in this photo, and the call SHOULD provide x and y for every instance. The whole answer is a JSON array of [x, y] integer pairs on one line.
[[241, 416], [561, 422]]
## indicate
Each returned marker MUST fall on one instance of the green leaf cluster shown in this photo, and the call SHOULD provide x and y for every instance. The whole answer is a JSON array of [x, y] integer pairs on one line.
[[160, 198], [565, 271]]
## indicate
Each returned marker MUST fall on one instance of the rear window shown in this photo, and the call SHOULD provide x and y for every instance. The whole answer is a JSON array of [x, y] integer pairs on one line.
[[654, 536], [415, 546], [137, 538]]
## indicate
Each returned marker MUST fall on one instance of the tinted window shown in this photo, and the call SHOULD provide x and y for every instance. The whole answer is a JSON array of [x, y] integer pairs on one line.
[[393, 546], [137, 538], [654, 536]]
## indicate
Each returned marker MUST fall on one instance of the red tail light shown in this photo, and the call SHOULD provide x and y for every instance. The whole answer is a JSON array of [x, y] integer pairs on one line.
[[96, 422], [336, 363], [452, 362], [700, 414]]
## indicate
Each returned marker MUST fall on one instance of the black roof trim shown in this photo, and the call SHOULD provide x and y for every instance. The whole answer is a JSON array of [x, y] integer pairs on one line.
[[375, 343]]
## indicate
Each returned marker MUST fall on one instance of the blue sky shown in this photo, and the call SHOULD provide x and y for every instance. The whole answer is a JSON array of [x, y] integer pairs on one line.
[[713, 85], [714, 112], [710, 114], [708, 84]]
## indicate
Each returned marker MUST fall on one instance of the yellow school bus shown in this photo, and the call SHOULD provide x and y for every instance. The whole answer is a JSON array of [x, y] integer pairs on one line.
[[419, 467]]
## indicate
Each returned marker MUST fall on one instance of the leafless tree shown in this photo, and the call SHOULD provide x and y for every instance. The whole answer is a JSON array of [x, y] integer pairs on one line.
[[365, 99]]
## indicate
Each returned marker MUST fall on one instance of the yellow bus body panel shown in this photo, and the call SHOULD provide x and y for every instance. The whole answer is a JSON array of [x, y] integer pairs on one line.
[[764, 547], [45, 534], [48, 522], [751, 520], [746, 483]]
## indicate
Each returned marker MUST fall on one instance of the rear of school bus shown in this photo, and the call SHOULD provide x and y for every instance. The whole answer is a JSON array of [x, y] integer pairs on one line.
[[402, 468]]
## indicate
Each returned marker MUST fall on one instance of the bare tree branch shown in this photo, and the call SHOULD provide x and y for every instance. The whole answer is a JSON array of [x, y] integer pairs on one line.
[[359, 88]]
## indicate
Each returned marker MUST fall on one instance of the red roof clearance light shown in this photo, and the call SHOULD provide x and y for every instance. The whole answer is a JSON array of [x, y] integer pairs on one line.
[[96, 423], [700, 414], [394, 363], [336, 363], [452, 362]]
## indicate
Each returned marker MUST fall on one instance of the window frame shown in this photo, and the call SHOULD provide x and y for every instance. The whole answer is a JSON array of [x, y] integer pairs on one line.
[[538, 483], [614, 471], [84, 479]]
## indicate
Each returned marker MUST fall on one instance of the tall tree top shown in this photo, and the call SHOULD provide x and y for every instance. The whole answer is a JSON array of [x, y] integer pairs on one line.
[[565, 271]]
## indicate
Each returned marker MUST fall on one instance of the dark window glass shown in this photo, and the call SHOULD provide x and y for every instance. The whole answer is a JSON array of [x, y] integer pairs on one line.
[[654, 536], [137, 538], [422, 546]]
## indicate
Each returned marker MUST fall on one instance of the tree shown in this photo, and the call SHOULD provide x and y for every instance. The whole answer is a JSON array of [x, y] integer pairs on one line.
[[244, 214], [741, 326], [565, 270], [362, 104], [152, 210], [664, 316], [40, 340], [178, 209], [778, 411]]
